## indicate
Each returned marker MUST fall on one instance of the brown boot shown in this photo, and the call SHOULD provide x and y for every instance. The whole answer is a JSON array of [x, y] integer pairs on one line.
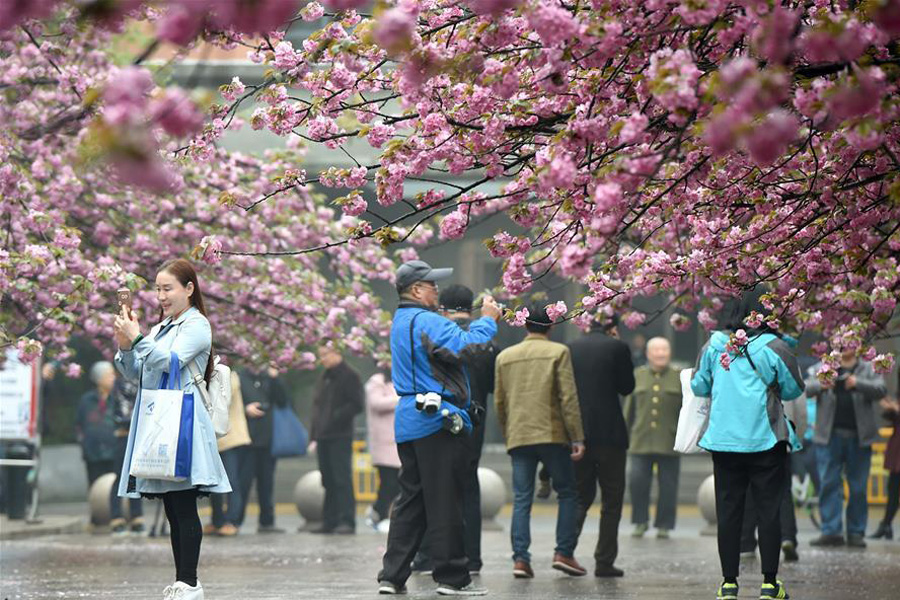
[[522, 570], [210, 529], [568, 565]]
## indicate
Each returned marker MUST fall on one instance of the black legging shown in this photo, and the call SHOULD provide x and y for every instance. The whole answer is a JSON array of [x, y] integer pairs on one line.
[[893, 502], [186, 533]]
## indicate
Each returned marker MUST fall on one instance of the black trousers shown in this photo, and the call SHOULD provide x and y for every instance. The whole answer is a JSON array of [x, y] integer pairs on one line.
[[259, 465], [763, 473], [431, 484], [388, 488], [668, 468], [787, 518], [335, 464], [185, 532], [603, 466], [98, 468], [135, 505], [471, 505], [893, 502]]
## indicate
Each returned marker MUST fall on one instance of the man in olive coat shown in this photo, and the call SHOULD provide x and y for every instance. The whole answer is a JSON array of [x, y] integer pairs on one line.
[[537, 407], [651, 412]]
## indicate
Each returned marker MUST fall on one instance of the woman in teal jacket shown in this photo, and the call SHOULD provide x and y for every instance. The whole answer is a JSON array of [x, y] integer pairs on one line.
[[748, 372]]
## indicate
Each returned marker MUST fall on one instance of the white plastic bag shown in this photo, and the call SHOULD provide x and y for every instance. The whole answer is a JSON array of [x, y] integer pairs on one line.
[[693, 418], [155, 448]]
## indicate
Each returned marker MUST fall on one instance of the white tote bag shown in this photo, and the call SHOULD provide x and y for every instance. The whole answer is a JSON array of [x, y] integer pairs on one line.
[[163, 437], [693, 418]]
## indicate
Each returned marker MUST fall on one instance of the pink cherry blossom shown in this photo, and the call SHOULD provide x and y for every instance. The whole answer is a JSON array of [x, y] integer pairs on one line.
[[453, 226], [554, 24], [395, 29], [771, 137], [556, 310], [344, 4], [492, 7], [520, 317], [176, 113], [725, 361], [182, 22]]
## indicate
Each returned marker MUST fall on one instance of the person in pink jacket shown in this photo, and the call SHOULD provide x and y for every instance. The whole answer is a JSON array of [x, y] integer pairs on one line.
[[381, 400]]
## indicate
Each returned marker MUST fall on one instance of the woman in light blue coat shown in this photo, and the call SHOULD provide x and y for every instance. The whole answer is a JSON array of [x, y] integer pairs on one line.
[[184, 330]]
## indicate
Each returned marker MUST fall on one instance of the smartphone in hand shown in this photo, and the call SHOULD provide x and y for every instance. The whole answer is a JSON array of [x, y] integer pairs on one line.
[[123, 298]]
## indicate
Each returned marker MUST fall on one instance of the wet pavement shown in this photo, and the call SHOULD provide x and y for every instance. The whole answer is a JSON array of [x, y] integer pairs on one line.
[[294, 565]]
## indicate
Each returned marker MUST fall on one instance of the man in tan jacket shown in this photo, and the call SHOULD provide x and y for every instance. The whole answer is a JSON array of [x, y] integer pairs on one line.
[[537, 405]]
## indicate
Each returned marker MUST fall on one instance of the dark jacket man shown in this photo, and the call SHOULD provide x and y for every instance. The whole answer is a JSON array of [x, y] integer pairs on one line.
[[269, 393], [338, 398], [261, 392], [603, 373]]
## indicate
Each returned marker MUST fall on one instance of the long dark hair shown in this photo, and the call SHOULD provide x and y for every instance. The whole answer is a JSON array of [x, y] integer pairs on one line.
[[184, 272], [738, 309]]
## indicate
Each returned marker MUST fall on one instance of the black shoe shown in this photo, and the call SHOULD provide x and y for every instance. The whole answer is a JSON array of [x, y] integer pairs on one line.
[[884, 531], [320, 529], [608, 571], [445, 589], [344, 529], [269, 529], [828, 541], [856, 541], [543, 490], [789, 547]]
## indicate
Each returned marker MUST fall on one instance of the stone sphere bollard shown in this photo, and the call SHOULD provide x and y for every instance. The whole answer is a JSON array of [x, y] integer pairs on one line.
[[98, 499], [309, 495], [706, 500], [493, 497]]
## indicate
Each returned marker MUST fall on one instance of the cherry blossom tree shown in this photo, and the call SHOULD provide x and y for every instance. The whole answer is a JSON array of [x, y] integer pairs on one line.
[[91, 200], [692, 148]]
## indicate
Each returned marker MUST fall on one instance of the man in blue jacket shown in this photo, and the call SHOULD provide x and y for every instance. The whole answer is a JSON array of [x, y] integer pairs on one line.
[[427, 354]]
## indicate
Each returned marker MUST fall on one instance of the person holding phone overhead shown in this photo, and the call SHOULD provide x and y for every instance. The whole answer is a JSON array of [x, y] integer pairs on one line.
[[185, 331]]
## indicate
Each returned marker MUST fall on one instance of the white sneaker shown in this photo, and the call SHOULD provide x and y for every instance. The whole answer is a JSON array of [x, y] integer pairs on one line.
[[168, 591], [386, 588], [446, 589], [182, 591], [370, 518]]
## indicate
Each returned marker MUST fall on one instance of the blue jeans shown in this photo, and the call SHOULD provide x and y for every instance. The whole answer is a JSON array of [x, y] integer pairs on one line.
[[229, 508], [842, 457], [558, 462]]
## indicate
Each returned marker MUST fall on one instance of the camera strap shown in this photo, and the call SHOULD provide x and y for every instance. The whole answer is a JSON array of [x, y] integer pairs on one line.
[[412, 350]]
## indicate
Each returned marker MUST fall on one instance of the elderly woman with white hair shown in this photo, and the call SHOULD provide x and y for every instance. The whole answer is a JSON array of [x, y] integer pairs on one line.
[[93, 422]]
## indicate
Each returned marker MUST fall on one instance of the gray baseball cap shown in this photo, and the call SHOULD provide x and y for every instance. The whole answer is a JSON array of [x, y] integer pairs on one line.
[[418, 270]]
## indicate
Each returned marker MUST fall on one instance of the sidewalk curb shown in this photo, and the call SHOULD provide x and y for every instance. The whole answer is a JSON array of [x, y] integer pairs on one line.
[[47, 525]]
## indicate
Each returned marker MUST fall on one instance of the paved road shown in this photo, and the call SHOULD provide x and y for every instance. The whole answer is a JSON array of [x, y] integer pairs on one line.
[[307, 566]]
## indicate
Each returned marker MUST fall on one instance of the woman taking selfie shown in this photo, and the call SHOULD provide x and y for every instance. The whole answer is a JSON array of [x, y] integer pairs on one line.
[[183, 330]]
